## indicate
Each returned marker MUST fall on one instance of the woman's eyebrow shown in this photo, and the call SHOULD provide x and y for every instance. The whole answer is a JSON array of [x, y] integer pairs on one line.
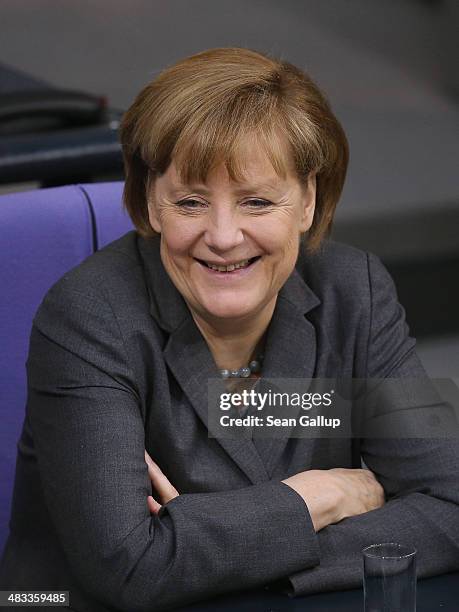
[[182, 188], [258, 187], [242, 189]]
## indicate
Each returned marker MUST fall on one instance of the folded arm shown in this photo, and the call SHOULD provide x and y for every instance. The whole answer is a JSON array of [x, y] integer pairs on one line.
[[420, 476]]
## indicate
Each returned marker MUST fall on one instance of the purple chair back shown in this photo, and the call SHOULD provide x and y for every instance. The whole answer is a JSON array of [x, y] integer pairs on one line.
[[43, 234]]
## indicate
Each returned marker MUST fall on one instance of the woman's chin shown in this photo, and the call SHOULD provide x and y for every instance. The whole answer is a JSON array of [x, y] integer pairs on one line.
[[227, 312], [231, 314]]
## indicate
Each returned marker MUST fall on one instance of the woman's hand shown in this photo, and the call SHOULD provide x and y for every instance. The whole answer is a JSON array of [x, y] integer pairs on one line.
[[332, 495], [161, 485]]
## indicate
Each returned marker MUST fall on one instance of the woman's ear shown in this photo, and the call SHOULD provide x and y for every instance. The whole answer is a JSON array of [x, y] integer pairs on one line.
[[308, 202], [153, 216], [152, 208]]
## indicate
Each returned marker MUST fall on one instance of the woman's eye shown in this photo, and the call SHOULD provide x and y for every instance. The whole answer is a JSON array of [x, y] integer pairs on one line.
[[256, 203], [190, 203]]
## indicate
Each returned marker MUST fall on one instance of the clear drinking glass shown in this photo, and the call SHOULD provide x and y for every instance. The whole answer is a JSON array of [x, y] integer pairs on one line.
[[389, 578]]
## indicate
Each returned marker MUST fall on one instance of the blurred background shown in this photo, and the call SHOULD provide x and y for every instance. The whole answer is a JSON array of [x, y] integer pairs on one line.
[[388, 67]]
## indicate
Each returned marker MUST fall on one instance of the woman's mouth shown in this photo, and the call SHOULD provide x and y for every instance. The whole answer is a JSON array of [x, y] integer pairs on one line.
[[230, 269]]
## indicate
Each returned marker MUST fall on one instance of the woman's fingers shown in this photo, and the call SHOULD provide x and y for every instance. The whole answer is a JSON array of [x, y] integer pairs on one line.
[[334, 494], [153, 505], [161, 483]]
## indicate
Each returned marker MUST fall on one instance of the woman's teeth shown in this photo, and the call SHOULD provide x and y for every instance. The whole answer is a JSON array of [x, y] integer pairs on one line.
[[230, 268]]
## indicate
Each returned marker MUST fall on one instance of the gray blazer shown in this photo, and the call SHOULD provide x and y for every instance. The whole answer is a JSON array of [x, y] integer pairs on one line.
[[117, 365]]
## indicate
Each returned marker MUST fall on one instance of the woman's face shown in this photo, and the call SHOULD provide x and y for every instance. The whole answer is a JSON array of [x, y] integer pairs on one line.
[[230, 246]]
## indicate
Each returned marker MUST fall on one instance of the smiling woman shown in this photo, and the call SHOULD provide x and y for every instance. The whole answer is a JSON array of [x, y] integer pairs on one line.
[[241, 248], [239, 164], [234, 166]]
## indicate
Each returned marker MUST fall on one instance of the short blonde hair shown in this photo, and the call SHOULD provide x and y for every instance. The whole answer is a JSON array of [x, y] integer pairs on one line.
[[199, 111]]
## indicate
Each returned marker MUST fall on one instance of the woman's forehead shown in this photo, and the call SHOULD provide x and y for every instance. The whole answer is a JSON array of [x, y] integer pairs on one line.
[[258, 175]]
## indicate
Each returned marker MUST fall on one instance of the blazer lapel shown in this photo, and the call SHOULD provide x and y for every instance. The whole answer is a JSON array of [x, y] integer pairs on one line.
[[290, 352], [192, 364]]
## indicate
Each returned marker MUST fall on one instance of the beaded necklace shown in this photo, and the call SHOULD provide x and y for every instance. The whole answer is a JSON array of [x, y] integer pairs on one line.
[[254, 367]]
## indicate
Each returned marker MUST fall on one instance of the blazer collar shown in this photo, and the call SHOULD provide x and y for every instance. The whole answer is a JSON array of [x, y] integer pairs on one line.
[[167, 306], [290, 351]]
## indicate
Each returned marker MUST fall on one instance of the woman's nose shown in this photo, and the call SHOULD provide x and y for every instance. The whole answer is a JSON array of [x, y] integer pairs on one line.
[[223, 231]]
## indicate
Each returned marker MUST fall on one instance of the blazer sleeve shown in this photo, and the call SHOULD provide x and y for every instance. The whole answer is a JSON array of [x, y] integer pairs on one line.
[[89, 437], [420, 476]]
